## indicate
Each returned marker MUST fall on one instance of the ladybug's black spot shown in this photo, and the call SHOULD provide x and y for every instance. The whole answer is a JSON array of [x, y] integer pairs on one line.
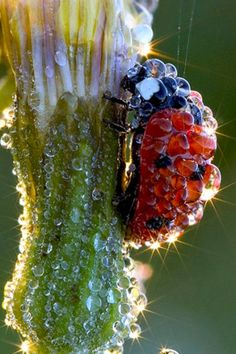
[[163, 161], [154, 223], [198, 175], [170, 84], [157, 222]]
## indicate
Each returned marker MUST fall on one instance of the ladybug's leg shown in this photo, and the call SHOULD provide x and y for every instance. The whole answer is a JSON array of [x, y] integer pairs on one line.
[[124, 203], [117, 127], [113, 99]]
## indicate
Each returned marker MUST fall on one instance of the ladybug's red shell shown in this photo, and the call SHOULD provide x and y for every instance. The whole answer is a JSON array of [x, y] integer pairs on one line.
[[175, 168]]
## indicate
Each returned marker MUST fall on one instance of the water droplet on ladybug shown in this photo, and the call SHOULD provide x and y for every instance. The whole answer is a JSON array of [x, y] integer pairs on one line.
[[148, 87], [162, 92], [170, 84], [197, 114], [155, 68], [171, 70], [212, 181], [178, 144], [178, 102], [183, 87], [134, 71], [182, 121], [135, 102]]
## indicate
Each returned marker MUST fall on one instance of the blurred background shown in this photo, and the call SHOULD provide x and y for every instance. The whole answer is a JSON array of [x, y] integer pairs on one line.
[[192, 293]]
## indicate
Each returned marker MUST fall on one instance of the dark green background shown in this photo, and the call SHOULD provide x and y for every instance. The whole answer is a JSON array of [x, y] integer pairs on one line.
[[193, 296]]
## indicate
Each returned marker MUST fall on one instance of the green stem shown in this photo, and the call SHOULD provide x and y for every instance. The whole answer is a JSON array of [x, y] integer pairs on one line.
[[69, 288]]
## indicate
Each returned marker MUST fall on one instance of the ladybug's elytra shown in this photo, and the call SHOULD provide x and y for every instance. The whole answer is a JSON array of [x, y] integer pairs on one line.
[[173, 143]]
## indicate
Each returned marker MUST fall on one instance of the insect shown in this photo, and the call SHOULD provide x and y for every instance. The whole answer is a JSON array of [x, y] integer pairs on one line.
[[170, 175]]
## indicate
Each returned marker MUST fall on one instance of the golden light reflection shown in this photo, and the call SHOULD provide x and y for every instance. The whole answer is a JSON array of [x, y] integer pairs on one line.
[[208, 193], [144, 49], [25, 347]]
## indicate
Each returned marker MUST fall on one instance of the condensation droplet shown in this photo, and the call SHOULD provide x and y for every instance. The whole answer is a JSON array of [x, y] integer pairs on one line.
[[113, 296], [99, 244], [38, 270], [76, 164], [33, 284], [107, 261], [93, 303], [49, 71], [142, 33], [64, 265], [6, 141], [60, 58], [124, 308], [123, 282], [97, 194], [135, 331], [49, 248], [148, 87], [75, 215], [95, 285]]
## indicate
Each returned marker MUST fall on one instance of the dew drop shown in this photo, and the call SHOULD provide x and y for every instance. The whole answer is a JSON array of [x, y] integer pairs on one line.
[[142, 33], [6, 141], [93, 303], [76, 164], [48, 168], [118, 326], [64, 265], [33, 284], [38, 270], [135, 330], [49, 71], [50, 150], [60, 58], [95, 285], [75, 215], [107, 261], [97, 194], [98, 244], [171, 70], [141, 302], [27, 317], [148, 87], [134, 293], [123, 282], [56, 308], [49, 248], [71, 329], [124, 308], [113, 296]]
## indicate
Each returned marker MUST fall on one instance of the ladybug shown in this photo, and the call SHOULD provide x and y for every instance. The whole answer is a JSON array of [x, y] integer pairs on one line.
[[170, 175]]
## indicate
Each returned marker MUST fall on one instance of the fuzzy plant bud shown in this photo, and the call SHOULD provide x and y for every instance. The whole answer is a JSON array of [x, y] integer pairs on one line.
[[72, 289]]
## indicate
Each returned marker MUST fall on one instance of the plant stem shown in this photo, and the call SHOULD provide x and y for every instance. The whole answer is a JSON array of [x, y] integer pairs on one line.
[[69, 287]]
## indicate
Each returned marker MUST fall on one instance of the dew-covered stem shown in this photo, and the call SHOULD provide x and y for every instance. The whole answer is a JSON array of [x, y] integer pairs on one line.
[[69, 288]]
